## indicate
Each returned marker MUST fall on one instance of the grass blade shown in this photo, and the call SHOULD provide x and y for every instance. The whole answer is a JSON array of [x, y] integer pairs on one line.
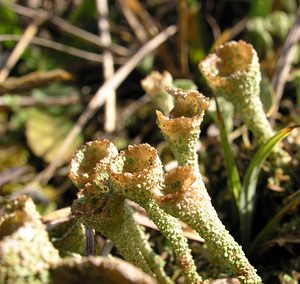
[[250, 182], [234, 183], [294, 201]]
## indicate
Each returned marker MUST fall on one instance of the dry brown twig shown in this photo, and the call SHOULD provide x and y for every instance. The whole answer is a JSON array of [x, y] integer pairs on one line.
[[69, 28], [33, 80], [87, 55], [133, 22], [62, 215], [27, 101], [24, 41], [98, 100], [283, 65], [182, 36], [108, 65]]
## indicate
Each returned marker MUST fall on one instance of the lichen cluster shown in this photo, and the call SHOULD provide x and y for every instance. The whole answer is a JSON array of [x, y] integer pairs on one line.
[[27, 256], [137, 174]]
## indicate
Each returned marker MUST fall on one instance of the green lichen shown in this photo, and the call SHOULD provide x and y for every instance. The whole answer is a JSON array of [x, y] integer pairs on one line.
[[181, 128], [106, 211], [233, 72], [25, 250], [141, 187], [154, 85], [191, 203], [69, 237]]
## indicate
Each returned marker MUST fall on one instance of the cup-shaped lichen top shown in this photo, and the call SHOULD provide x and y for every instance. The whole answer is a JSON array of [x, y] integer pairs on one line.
[[231, 67], [183, 189], [87, 160], [88, 172], [181, 128], [137, 173], [233, 72], [154, 85]]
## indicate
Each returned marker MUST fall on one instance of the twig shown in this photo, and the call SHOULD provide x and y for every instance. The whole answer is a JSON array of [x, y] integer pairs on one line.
[[29, 33], [146, 19], [283, 65], [182, 36], [100, 98], [90, 241], [87, 55], [62, 215], [69, 28], [33, 80], [230, 33], [108, 66], [149, 28], [13, 174], [133, 22], [26, 101]]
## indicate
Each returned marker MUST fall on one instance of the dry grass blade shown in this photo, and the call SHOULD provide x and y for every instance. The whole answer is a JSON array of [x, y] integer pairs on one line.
[[25, 39], [87, 55], [33, 80], [284, 63], [9, 101], [69, 28], [108, 65], [133, 21], [62, 215], [183, 35]]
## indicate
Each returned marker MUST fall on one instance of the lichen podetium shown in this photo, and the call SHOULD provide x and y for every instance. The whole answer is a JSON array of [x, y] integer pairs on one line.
[[137, 174], [186, 198], [106, 211], [233, 71], [184, 195]]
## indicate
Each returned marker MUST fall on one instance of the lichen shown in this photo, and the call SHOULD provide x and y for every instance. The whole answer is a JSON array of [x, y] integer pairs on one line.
[[154, 85], [141, 182], [233, 72], [191, 204], [181, 128], [25, 250], [98, 206]]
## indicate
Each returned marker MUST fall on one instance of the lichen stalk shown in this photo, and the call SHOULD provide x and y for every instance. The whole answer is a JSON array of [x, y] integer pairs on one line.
[[26, 252], [181, 128], [98, 207], [186, 198], [154, 85], [137, 174], [233, 72]]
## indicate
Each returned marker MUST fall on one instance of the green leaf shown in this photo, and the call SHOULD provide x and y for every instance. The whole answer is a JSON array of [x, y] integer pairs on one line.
[[234, 183], [45, 134], [250, 182], [260, 8]]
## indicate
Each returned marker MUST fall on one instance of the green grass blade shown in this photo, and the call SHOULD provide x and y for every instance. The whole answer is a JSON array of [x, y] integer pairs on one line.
[[234, 183], [250, 182], [294, 201]]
